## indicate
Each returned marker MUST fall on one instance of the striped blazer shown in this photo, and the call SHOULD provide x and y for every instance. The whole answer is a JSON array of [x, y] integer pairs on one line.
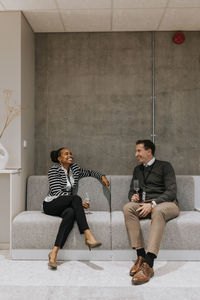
[[58, 181]]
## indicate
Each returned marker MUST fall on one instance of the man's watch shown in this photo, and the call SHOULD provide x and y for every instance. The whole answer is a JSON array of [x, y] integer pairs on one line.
[[153, 204]]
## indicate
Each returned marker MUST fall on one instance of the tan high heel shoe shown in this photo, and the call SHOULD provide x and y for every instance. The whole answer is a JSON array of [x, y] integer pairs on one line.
[[51, 264], [92, 245]]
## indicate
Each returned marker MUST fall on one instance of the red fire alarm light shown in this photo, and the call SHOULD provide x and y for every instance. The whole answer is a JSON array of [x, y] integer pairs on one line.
[[179, 38]]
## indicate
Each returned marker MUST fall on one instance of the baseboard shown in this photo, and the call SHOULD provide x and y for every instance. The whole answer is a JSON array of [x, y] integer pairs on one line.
[[97, 255], [4, 246]]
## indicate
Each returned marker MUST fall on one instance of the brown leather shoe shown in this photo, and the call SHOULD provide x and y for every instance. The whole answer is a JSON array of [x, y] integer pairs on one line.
[[143, 275], [136, 265]]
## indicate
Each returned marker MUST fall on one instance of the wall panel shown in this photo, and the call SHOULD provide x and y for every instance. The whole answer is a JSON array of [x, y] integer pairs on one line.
[[93, 94]]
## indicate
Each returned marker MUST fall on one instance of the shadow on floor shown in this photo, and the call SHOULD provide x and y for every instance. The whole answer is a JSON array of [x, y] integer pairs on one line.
[[86, 262], [169, 267], [91, 265], [62, 262]]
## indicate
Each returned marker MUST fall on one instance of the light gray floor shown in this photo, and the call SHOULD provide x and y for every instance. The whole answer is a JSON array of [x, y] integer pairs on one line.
[[96, 280]]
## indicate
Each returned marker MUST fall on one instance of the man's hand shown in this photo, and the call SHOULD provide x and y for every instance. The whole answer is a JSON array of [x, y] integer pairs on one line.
[[135, 198], [144, 209], [105, 181], [85, 205]]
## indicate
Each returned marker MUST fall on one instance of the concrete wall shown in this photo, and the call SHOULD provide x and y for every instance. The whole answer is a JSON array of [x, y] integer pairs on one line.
[[93, 95], [178, 101]]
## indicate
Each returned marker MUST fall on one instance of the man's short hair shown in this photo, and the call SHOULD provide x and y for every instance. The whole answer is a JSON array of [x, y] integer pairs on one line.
[[147, 145]]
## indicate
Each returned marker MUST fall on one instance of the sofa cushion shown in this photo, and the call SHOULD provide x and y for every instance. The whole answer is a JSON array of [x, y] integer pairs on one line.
[[99, 195], [120, 185], [181, 233], [185, 191], [37, 189], [36, 230]]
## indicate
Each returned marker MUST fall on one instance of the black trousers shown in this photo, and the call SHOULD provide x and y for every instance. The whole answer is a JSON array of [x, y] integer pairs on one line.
[[69, 208]]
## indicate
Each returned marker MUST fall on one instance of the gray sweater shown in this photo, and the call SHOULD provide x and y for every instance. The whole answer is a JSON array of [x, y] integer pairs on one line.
[[158, 181]]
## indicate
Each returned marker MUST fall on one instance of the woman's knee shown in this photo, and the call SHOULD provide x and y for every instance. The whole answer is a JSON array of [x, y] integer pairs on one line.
[[68, 213], [76, 202], [77, 198]]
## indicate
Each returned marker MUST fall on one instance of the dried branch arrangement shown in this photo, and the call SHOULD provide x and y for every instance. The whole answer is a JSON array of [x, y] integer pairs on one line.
[[12, 111]]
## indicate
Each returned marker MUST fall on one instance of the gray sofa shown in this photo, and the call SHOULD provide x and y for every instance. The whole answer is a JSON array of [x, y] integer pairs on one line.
[[33, 232]]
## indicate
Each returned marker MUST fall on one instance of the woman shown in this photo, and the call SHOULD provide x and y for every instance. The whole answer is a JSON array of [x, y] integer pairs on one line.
[[61, 200]]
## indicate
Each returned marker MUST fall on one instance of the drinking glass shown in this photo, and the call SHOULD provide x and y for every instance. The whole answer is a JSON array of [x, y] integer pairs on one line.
[[136, 185], [87, 200]]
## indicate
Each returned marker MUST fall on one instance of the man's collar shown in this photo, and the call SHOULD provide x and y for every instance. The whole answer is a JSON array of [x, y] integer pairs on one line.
[[150, 163]]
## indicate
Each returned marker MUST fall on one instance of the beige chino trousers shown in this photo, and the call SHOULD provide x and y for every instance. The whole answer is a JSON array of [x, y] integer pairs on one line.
[[159, 215]]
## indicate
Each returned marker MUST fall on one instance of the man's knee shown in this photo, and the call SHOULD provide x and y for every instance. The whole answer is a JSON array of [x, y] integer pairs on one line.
[[157, 211], [166, 210], [130, 207], [126, 207]]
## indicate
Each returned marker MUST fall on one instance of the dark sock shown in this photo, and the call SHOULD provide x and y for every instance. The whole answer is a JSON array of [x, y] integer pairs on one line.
[[149, 259], [141, 252]]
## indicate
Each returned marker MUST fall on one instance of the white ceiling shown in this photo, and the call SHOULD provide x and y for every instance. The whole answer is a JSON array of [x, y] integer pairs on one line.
[[107, 15]]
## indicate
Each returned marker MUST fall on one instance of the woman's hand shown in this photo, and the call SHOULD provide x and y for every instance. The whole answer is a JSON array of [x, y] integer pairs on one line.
[[105, 181], [85, 205], [135, 198]]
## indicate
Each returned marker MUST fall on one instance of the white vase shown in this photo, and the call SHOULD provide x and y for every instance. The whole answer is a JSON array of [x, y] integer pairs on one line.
[[3, 157]]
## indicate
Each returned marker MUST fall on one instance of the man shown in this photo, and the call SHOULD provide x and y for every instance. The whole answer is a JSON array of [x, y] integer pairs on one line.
[[156, 200]]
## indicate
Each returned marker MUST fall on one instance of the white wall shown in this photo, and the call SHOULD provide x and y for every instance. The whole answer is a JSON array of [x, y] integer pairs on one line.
[[10, 78], [27, 100], [4, 209], [17, 73]]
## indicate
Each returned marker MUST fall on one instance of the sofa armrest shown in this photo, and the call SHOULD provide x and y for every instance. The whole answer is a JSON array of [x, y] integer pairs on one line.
[[197, 193]]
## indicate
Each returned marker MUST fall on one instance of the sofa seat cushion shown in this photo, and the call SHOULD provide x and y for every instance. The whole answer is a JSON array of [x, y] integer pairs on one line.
[[36, 230], [181, 233]]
